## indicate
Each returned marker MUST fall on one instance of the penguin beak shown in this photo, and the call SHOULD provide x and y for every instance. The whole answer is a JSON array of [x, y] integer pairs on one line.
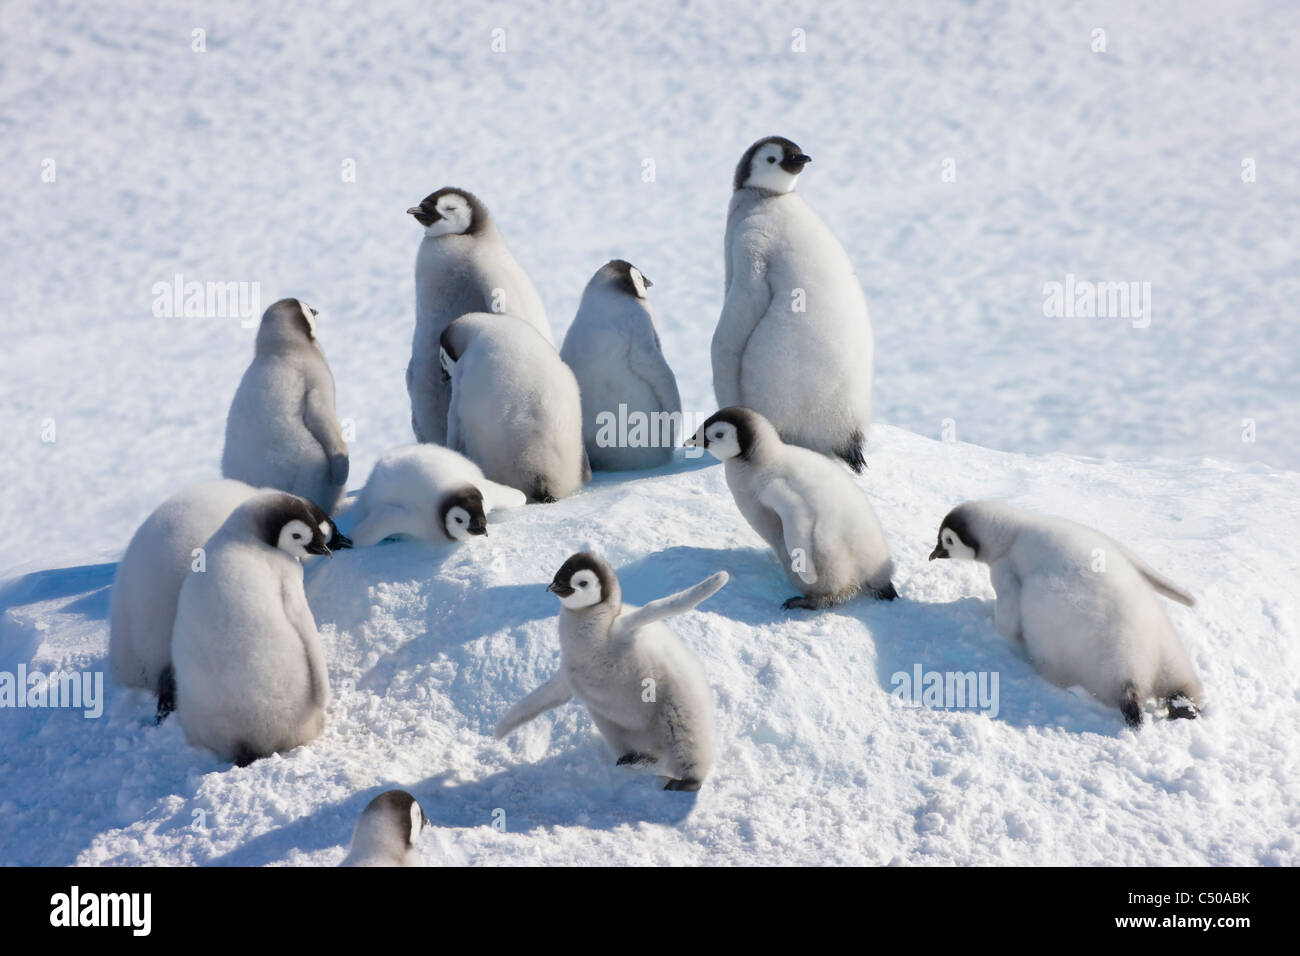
[[696, 440], [646, 279], [939, 552], [559, 590], [338, 542], [478, 527], [422, 217], [795, 164], [321, 548]]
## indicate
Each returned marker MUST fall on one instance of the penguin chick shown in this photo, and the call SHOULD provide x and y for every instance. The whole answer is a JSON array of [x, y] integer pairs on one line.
[[282, 431], [794, 341], [646, 692], [1083, 605], [430, 493], [806, 507], [388, 832], [463, 265], [250, 670], [515, 407], [614, 351], [163, 552]]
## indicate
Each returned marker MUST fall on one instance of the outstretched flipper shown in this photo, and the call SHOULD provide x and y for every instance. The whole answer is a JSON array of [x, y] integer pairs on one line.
[[1158, 581], [552, 694], [679, 603], [379, 524], [501, 496]]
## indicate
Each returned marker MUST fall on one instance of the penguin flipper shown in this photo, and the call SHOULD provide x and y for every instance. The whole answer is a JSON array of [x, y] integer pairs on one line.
[[630, 622], [319, 418], [796, 526], [501, 496], [747, 300], [550, 695], [1158, 582], [379, 524]]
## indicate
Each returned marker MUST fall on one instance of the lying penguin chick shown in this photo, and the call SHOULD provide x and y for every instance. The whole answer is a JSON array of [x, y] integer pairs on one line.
[[163, 552], [250, 670], [805, 506], [645, 690], [428, 492], [613, 349], [388, 832], [282, 431], [1084, 605]]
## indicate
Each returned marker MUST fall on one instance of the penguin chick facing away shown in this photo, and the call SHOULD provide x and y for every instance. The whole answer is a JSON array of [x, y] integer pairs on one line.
[[1083, 605], [462, 266], [427, 492], [794, 340], [806, 507], [646, 692], [282, 431], [163, 552], [250, 669], [515, 408], [388, 832], [614, 351]]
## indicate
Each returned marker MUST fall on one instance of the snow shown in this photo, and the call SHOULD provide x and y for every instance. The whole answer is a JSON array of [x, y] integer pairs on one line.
[[225, 166]]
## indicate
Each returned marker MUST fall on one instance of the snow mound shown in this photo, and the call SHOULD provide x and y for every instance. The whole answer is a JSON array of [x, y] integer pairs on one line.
[[817, 761]]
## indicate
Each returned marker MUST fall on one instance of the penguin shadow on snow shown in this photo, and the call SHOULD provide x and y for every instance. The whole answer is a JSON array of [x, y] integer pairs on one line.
[[958, 637]]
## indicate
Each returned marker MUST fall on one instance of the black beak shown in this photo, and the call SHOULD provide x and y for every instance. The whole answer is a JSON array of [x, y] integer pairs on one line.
[[338, 542], [480, 528], [939, 552], [321, 548], [422, 217], [558, 589], [313, 312], [795, 164], [648, 283]]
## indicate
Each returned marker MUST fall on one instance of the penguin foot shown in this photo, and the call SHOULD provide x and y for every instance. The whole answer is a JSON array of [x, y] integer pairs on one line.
[[244, 755], [687, 783], [166, 694], [1181, 706], [887, 593], [632, 757], [1130, 706], [803, 602], [851, 452]]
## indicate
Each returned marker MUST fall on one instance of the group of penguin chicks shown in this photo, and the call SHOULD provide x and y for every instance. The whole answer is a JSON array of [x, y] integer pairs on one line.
[[502, 418]]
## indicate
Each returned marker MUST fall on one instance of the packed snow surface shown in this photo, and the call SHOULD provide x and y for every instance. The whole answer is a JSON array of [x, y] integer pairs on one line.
[[232, 165]]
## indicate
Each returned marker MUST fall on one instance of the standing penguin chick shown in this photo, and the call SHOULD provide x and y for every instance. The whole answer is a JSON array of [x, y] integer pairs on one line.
[[147, 586], [1083, 605], [388, 832], [250, 669], [794, 341], [515, 407], [615, 354], [807, 508], [427, 492], [282, 431], [463, 266], [646, 691]]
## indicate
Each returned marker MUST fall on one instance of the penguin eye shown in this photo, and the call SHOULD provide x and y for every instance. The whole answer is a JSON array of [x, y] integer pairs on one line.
[[582, 584], [771, 159]]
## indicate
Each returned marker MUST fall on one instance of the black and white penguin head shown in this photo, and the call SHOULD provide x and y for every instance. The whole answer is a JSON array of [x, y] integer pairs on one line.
[[729, 433], [461, 513], [584, 580], [450, 212], [292, 524], [334, 540], [624, 277], [956, 538], [286, 322], [393, 812], [773, 164]]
